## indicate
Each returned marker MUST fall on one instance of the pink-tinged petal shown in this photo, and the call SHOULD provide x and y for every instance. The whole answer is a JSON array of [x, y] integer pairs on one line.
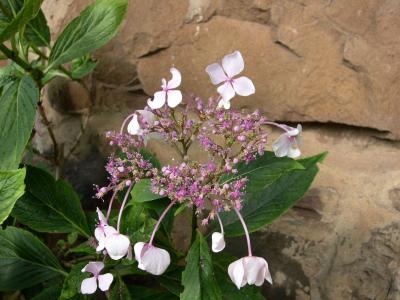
[[224, 104], [117, 245], [155, 260], [226, 91], [293, 152], [134, 126], [218, 242], [109, 230], [147, 116], [281, 146], [94, 267], [175, 80], [233, 64], [236, 273], [89, 285], [102, 218], [268, 276], [105, 281], [255, 270], [174, 97], [158, 101], [99, 234], [243, 86], [216, 73], [137, 248]]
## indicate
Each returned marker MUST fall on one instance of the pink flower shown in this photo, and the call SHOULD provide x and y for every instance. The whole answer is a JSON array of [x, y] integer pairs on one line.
[[151, 259], [218, 242], [102, 230], [288, 142], [249, 270], [134, 126], [89, 285], [232, 65], [118, 246], [168, 94]]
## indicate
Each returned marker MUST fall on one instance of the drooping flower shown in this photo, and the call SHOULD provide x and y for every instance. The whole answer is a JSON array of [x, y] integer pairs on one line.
[[168, 94], [232, 65], [287, 143], [102, 230], [151, 259], [118, 246], [218, 242], [249, 270], [134, 126], [89, 285]]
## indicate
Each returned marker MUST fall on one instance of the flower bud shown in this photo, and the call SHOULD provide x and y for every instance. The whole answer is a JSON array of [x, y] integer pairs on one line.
[[218, 242], [151, 259], [249, 270]]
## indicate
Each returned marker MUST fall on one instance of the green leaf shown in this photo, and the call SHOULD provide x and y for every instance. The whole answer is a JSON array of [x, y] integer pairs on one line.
[[275, 185], [49, 205], [145, 293], [72, 283], [141, 192], [137, 223], [198, 278], [119, 291], [81, 68], [95, 26], [28, 11], [51, 292], [17, 117], [24, 260], [37, 31], [11, 188], [84, 248]]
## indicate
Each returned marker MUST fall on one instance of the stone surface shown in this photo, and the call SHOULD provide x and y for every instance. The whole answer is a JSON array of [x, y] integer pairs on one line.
[[332, 64]]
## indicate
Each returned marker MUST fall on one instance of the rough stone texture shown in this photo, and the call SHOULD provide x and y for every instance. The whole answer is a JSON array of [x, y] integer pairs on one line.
[[329, 63]]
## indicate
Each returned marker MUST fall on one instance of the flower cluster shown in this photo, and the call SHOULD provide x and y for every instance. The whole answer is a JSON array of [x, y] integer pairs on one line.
[[210, 186]]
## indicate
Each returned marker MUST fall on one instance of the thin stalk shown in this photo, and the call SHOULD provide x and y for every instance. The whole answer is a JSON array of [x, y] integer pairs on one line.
[[123, 123], [153, 234], [123, 205], [110, 204], [220, 224], [245, 231], [194, 225]]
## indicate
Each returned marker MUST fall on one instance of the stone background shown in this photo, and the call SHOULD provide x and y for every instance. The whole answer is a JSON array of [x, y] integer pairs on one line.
[[333, 65]]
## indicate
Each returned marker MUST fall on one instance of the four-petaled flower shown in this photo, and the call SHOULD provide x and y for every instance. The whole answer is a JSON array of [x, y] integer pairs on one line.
[[288, 142], [151, 259], [102, 230], [89, 285], [140, 116], [168, 94], [232, 65]]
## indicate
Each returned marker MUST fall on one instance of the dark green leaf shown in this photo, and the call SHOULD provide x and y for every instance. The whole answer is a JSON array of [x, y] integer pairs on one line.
[[72, 283], [141, 192], [119, 291], [275, 185], [49, 205], [17, 116], [198, 278], [145, 293], [82, 68], [12, 187], [137, 223], [24, 260], [83, 248], [95, 26], [37, 32], [51, 292]]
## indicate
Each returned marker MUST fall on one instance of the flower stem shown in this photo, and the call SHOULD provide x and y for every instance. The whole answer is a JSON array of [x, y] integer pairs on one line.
[[245, 230], [123, 205], [194, 225], [276, 125], [159, 221], [126, 120], [220, 224], [110, 204]]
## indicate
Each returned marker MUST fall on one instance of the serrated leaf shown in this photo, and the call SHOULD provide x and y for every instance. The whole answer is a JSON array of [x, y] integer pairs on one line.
[[12, 187]]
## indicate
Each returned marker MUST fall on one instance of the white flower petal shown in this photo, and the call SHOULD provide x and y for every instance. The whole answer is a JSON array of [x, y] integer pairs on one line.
[[226, 91], [105, 281], [218, 242], [233, 64], [176, 79], [293, 152], [89, 285], [155, 260], [147, 116], [134, 126], [174, 97], [281, 146], [236, 273], [216, 73], [101, 217], [117, 245], [255, 270], [137, 248], [158, 101], [243, 86], [109, 230], [93, 267], [224, 104]]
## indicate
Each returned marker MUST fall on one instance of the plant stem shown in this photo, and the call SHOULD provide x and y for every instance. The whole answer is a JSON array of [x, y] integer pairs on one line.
[[159, 221], [220, 224], [245, 231], [123, 205], [110, 204], [194, 225]]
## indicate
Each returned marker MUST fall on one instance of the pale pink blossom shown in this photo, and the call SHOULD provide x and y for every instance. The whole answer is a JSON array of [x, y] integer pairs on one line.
[[232, 65], [134, 126], [218, 242], [89, 285], [102, 230], [287, 143], [118, 246], [249, 270], [168, 93], [151, 259]]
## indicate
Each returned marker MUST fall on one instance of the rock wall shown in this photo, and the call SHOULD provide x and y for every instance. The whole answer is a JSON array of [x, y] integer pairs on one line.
[[333, 65]]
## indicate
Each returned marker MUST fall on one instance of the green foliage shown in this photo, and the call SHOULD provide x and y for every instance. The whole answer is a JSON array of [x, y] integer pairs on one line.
[[141, 192], [95, 26], [119, 290], [49, 205], [11, 188], [275, 185], [72, 283], [51, 292], [145, 293], [198, 278], [37, 32], [17, 116], [24, 260], [82, 67]]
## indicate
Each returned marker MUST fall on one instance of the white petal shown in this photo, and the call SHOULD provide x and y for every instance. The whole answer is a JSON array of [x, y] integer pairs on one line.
[[218, 242], [293, 152], [293, 132], [236, 273], [93, 267], [147, 116], [233, 64], [89, 285], [109, 230], [134, 126], [175, 80], [155, 260], [158, 101], [216, 73], [224, 104], [137, 248], [281, 146], [102, 218], [226, 91], [100, 246], [105, 281], [255, 270], [117, 245], [174, 97], [243, 86], [99, 234]]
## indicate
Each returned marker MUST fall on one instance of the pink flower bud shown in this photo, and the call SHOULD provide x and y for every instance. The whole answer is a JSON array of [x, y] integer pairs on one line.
[[218, 242]]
